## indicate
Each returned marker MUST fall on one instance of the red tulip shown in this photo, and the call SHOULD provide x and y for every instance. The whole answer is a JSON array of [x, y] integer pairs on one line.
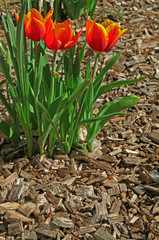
[[59, 36], [103, 37], [34, 24]]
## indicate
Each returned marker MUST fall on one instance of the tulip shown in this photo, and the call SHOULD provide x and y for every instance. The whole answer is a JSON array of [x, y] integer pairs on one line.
[[103, 37], [59, 36], [34, 24]]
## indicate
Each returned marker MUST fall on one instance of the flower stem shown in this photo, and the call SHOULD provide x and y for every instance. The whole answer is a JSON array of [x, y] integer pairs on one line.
[[35, 89], [95, 65], [52, 87]]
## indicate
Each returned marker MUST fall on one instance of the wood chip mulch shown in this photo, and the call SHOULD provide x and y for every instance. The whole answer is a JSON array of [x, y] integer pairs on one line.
[[112, 193]]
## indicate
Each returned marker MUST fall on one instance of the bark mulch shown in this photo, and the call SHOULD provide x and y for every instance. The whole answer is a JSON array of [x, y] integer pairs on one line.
[[113, 192]]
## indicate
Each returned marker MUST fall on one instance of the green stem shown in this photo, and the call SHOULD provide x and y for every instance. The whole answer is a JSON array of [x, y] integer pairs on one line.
[[52, 87], [35, 89], [95, 65]]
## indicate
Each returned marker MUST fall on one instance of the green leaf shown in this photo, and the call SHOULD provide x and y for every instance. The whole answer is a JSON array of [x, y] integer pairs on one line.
[[7, 105], [110, 108], [77, 92], [11, 28], [111, 85], [9, 132], [4, 68], [76, 70], [52, 125], [82, 51], [99, 79], [3, 47], [91, 6], [20, 48], [39, 75], [74, 8]]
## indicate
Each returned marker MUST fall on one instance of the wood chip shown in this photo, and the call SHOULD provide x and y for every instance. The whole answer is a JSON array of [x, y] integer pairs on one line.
[[103, 235], [15, 228], [63, 222], [9, 180]]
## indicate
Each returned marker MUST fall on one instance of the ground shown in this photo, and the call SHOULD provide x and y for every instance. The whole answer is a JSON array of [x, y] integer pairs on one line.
[[112, 193]]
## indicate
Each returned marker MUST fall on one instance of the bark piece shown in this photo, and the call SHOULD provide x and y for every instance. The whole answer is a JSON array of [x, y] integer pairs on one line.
[[15, 228], [101, 210], [116, 206], [139, 190], [134, 160], [156, 208], [27, 209], [103, 235], [47, 230], [154, 176], [84, 191], [154, 136], [16, 190], [96, 180], [29, 235], [9, 179], [113, 191], [12, 215], [63, 222]]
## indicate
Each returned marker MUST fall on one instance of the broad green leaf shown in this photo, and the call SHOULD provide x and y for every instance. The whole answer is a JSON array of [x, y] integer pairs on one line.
[[11, 29], [77, 92], [39, 76], [74, 8], [3, 47], [91, 6], [7, 105], [111, 85], [7, 129], [99, 79], [104, 118], [20, 48], [82, 51], [110, 108], [51, 126], [76, 70]]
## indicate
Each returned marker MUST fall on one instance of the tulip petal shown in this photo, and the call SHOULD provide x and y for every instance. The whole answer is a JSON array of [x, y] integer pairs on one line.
[[96, 36], [48, 15], [114, 33], [73, 40], [35, 29], [33, 13], [51, 41], [64, 35], [107, 23], [16, 16], [48, 26]]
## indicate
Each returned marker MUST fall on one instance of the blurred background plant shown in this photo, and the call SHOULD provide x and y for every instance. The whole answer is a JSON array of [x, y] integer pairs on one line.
[[117, 13], [70, 8]]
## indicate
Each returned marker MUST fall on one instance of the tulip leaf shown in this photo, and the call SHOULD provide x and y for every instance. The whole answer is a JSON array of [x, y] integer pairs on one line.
[[7, 105], [111, 85], [75, 8], [110, 108], [82, 51], [91, 5], [99, 79], [76, 70], [9, 131], [77, 92]]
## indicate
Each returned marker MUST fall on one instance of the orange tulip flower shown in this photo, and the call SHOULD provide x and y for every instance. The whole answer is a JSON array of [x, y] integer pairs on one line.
[[59, 36], [34, 24], [103, 37]]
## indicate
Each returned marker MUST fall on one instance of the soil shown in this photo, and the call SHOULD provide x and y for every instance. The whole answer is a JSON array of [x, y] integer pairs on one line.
[[113, 192]]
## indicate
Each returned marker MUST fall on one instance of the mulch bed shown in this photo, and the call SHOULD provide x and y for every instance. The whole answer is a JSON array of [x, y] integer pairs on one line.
[[113, 192]]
